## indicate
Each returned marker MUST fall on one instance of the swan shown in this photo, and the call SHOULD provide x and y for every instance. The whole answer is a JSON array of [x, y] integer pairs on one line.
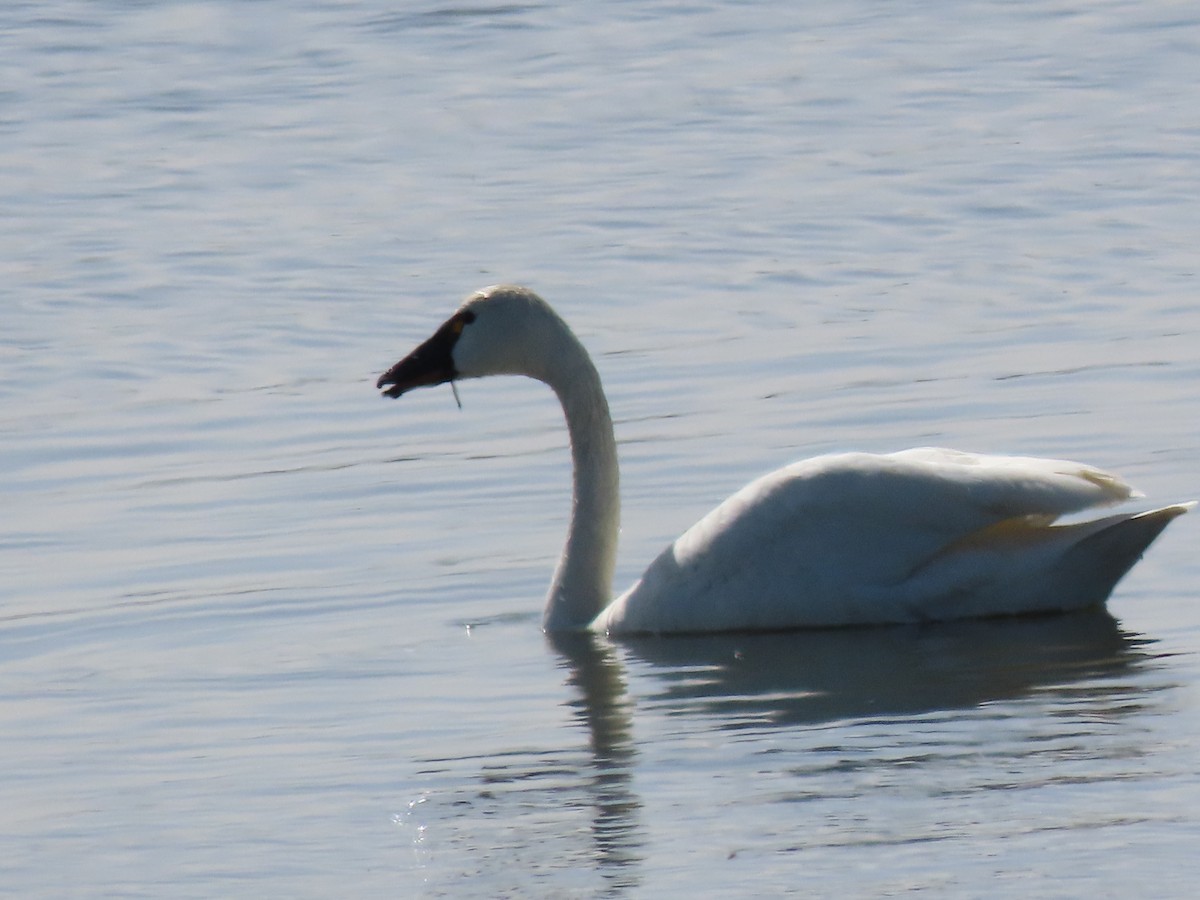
[[921, 535]]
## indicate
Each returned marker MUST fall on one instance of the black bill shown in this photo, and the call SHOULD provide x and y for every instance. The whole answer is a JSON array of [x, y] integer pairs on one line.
[[431, 363]]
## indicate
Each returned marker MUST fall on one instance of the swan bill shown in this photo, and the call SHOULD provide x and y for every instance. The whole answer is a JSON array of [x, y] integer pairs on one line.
[[430, 364]]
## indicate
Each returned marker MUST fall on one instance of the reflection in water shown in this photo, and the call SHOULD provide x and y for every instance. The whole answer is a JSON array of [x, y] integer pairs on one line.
[[777, 683], [604, 708], [534, 810], [818, 677], [824, 676]]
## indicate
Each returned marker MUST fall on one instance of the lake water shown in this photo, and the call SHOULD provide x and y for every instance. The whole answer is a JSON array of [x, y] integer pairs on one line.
[[263, 633]]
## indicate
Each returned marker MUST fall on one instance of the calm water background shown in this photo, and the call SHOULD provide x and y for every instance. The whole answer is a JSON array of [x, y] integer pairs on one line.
[[265, 634]]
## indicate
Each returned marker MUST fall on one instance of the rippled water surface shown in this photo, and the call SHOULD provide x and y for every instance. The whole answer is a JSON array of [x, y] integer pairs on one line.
[[265, 634]]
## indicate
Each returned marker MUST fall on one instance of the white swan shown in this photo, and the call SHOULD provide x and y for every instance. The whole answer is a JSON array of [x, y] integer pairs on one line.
[[847, 539]]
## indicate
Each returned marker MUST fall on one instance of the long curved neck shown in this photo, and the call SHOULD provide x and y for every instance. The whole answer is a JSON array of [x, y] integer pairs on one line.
[[582, 584]]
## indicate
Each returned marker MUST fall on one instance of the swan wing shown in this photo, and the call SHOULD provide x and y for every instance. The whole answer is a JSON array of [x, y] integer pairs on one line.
[[860, 538]]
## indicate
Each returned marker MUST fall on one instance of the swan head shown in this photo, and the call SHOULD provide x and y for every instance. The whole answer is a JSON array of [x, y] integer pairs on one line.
[[500, 330]]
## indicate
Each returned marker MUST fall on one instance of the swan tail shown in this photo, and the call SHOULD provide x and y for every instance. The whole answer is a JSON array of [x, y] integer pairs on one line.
[[1103, 558], [1029, 564]]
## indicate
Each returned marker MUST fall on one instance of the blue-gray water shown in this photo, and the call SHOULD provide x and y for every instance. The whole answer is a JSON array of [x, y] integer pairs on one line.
[[265, 634]]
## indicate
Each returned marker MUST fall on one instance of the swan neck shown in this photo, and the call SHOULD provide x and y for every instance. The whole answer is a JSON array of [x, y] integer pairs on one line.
[[582, 584]]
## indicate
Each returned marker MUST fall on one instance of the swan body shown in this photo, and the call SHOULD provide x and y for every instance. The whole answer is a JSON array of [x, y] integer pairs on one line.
[[847, 539]]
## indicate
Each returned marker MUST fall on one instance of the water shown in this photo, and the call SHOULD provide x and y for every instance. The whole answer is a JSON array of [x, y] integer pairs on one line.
[[263, 633]]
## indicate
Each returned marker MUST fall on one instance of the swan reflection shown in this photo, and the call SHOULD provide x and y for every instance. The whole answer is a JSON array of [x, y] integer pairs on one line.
[[817, 678], [602, 705], [820, 676]]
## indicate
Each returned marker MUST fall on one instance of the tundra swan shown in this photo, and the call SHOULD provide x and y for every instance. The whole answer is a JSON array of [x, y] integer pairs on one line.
[[846, 539]]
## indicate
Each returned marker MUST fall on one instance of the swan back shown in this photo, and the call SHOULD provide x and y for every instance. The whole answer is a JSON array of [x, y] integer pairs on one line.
[[919, 535]]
